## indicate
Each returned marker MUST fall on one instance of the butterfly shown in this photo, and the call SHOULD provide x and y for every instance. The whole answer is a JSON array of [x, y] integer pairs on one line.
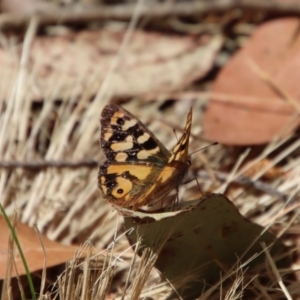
[[139, 170]]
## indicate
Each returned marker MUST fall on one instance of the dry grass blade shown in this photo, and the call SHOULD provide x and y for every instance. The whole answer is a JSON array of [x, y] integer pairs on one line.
[[85, 279], [146, 264], [276, 273], [236, 290]]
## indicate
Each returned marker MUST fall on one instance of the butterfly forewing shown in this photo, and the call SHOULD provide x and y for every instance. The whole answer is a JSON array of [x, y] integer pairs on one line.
[[125, 139], [139, 170]]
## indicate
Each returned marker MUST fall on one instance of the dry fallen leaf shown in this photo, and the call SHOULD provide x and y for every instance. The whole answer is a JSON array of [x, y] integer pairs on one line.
[[255, 97], [32, 249], [66, 66], [200, 241], [25, 6]]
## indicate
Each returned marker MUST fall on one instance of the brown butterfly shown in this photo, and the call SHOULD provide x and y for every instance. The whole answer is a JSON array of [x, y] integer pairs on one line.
[[139, 170]]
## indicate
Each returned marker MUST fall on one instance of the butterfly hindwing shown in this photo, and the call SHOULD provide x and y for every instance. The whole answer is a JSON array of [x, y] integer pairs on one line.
[[123, 185], [139, 170]]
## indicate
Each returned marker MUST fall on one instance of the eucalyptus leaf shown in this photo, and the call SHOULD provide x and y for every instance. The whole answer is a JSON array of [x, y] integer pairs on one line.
[[200, 241]]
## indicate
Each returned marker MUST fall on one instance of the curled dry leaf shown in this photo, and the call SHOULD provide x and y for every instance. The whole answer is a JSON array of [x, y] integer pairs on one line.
[[68, 66], [256, 96], [32, 249], [198, 243]]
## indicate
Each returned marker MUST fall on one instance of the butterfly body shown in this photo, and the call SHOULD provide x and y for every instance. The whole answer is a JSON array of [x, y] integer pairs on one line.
[[139, 170]]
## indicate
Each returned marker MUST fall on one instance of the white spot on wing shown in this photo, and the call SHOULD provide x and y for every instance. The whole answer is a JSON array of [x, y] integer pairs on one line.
[[121, 146], [143, 138], [143, 154], [128, 124], [121, 157]]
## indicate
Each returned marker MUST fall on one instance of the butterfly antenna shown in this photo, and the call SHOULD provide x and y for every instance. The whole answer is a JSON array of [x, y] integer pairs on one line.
[[215, 143], [199, 186]]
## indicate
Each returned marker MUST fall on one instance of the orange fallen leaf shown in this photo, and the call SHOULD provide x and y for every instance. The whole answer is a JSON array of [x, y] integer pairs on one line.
[[256, 96], [32, 249]]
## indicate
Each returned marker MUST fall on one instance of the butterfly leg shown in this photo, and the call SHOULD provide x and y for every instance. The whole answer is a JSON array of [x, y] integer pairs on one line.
[[199, 186], [176, 200]]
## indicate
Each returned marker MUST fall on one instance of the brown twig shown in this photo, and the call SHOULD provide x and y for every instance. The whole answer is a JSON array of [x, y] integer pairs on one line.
[[38, 165], [246, 181], [124, 12]]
